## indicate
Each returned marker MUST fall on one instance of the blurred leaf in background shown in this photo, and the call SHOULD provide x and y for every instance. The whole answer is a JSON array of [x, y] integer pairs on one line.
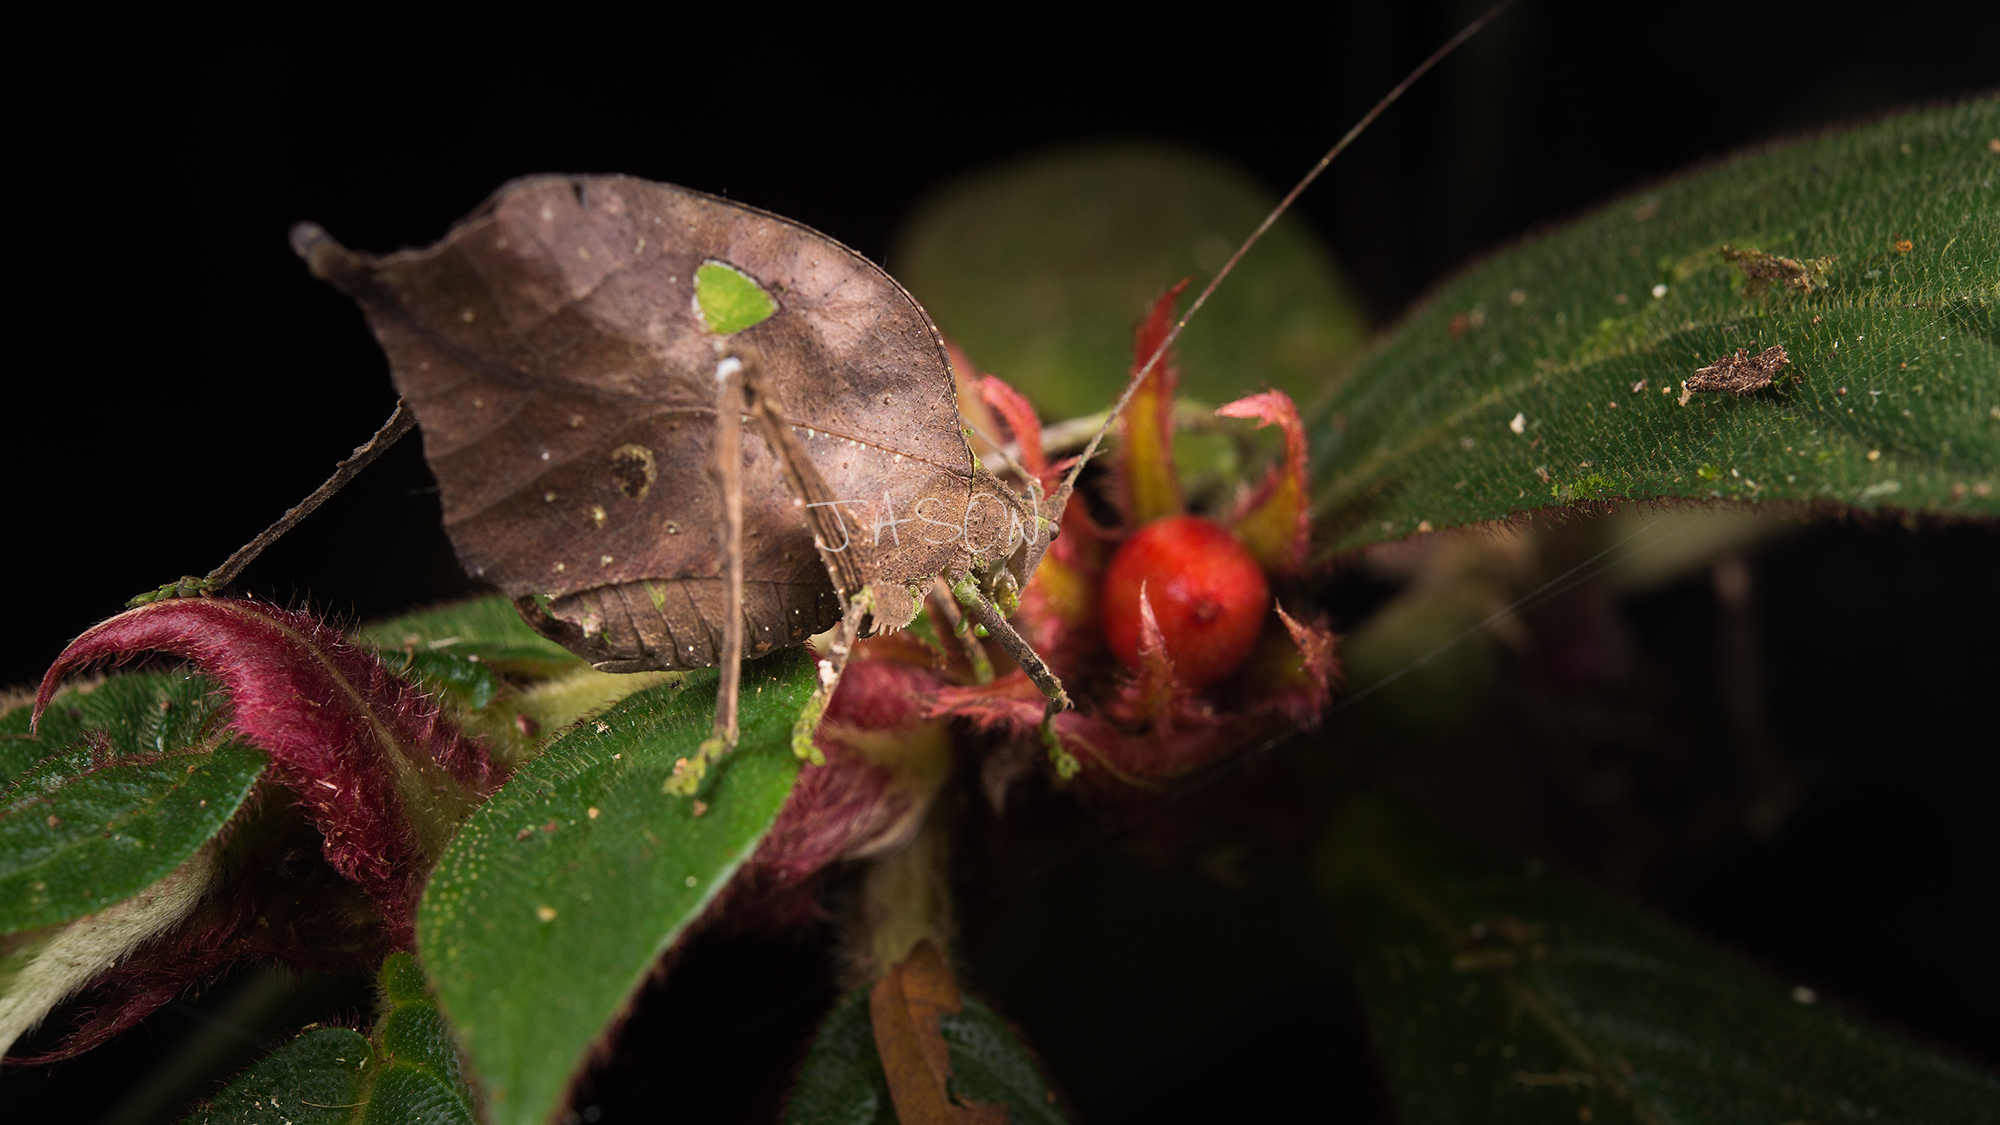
[[1500, 992], [1041, 269]]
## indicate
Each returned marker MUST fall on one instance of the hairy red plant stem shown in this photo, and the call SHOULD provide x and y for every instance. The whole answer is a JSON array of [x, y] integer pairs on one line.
[[371, 758]]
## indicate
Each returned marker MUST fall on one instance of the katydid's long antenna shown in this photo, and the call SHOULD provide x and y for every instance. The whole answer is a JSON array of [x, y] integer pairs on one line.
[[1367, 119], [401, 421]]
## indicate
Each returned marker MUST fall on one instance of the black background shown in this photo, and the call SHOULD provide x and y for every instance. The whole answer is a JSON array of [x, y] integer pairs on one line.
[[178, 380], [189, 381]]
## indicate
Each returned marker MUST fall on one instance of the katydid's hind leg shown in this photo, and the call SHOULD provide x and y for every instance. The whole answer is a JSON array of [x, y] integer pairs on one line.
[[831, 537], [728, 473], [839, 647], [401, 421], [817, 497]]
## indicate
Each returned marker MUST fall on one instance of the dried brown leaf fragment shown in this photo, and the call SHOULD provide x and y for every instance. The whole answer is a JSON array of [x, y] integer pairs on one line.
[[904, 1008], [1741, 373]]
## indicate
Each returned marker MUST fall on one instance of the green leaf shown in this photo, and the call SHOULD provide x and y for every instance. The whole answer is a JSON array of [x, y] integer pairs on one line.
[[408, 1074], [1892, 399], [557, 897], [501, 679], [421, 1083], [133, 777], [316, 1079], [486, 628], [1499, 993], [989, 1065], [1041, 270], [126, 711], [841, 1081]]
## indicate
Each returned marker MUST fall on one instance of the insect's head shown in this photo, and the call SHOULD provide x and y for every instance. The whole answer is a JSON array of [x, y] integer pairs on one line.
[[1018, 526]]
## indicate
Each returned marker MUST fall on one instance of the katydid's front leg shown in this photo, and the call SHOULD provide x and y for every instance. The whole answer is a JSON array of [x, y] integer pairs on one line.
[[987, 614]]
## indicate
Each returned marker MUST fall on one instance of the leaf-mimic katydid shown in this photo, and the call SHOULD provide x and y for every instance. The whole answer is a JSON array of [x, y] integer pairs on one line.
[[583, 353]]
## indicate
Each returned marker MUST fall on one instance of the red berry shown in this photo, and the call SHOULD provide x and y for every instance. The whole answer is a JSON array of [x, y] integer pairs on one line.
[[1208, 595]]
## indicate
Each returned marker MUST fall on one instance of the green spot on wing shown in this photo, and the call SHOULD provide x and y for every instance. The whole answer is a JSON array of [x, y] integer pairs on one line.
[[729, 300]]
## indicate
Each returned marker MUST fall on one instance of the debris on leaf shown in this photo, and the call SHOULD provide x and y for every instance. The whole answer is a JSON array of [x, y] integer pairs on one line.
[[1761, 270], [1741, 373]]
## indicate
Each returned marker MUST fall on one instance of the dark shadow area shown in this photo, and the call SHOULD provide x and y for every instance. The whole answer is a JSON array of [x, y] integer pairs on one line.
[[719, 1038], [1880, 890], [1829, 822], [196, 382], [186, 1050]]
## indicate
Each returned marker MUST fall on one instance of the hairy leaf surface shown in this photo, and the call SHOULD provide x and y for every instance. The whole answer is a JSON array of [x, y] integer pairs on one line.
[[1552, 373], [316, 1079], [420, 1081], [557, 897], [126, 781], [1501, 993], [125, 709], [487, 630], [380, 771]]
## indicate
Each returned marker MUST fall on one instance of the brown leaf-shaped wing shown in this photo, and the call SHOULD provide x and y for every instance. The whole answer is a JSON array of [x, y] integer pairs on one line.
[[564, 380]]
